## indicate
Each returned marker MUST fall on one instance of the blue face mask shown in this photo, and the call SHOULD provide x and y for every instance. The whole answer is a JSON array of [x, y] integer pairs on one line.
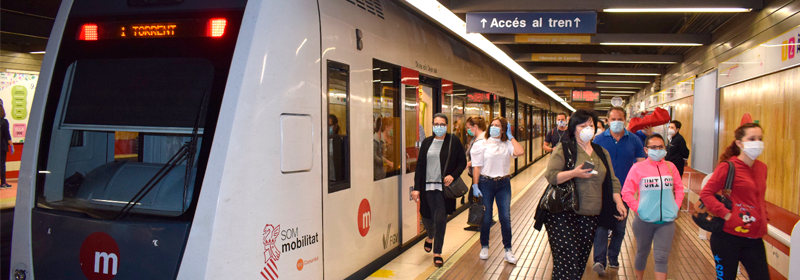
[[617, 126], [469, 132], [656, 155], [494, 131], [439, 130], [330, 130]]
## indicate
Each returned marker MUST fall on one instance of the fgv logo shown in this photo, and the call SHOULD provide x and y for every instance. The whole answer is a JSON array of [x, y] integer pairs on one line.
[[364, 217], [271, 252], [99, 256], [789, 48]]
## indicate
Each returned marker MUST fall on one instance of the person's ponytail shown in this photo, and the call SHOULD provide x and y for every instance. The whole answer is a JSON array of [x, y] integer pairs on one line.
[[734, 150], [731, 151]]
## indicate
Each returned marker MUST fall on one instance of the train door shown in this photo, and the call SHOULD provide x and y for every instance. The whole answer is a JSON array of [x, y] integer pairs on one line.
[[417, 114]]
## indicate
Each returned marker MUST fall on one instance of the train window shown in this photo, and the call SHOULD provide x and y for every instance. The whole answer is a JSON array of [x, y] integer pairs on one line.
[[150, 101], [386, 120], [338, 126]]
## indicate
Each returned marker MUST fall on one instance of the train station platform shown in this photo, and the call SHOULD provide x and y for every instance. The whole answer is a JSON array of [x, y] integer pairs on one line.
[[690, 258]]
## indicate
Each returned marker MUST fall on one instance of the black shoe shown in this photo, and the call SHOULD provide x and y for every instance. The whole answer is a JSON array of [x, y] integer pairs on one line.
[[5, 186], [438, 261], [428, 246], [472, 228]]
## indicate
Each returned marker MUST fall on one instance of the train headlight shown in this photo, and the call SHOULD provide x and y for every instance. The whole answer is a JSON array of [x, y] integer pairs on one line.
[[20, 274]]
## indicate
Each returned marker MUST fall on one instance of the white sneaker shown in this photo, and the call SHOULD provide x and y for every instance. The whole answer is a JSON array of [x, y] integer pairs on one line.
[[510, 258], [484, 254], [599, 269]]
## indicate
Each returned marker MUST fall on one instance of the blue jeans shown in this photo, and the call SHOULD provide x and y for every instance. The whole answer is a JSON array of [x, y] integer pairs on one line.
[[603, 247], [501, 191]]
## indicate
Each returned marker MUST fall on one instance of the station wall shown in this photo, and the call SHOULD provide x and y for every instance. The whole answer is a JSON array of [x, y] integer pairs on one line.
[[773, 101]]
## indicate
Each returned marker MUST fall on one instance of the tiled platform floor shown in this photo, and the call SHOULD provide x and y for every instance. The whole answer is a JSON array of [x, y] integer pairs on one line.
[[690, 257]]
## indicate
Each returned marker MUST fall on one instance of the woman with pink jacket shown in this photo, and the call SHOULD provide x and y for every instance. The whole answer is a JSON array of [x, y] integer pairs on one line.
[[654, 191]]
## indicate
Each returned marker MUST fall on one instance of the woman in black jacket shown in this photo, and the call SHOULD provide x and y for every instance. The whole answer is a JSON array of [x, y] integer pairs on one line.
[[440, 161]]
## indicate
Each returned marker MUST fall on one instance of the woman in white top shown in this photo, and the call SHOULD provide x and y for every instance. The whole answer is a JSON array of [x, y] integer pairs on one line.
[[492, 160]]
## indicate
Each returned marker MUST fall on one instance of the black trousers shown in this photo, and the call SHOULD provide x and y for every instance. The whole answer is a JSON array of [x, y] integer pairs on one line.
[[3, 155], [437, 224], [570, 236], [730, 249]]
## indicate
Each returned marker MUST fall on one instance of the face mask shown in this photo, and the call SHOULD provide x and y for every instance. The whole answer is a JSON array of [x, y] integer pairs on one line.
[[439, 130], [617, 126], [494, 131], [656, 155], [469, 132], [671, 132], [587, 133], [330, 130], [753, 149], [561, 123], [391, 133]]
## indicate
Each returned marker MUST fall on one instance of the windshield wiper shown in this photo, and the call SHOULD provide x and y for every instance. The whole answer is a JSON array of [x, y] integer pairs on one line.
[[185, 153]]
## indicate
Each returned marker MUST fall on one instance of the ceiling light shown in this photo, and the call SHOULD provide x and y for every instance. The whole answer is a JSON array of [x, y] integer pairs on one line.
[[449, 20], [642, 62], [37, 52], [629, 74], [652, 44], [617, 91], [624, 82], [677, 10]]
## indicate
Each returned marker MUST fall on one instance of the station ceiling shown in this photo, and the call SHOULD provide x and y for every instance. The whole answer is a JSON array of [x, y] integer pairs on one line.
[[26, 26], [592, 62]]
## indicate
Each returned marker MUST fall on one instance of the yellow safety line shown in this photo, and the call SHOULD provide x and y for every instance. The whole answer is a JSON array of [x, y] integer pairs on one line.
[[475, 237]]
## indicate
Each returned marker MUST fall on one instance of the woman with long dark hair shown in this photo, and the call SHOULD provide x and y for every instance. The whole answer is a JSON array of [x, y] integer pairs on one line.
[[5, 143], [441, 160], [571, 233], [491, 179], [745, 224]]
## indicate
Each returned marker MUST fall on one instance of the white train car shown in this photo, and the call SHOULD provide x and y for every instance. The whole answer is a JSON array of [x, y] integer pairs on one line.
[[202, 139]]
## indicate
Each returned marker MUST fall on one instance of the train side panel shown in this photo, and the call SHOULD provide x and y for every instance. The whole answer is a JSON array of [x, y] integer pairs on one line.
[[259, 214]]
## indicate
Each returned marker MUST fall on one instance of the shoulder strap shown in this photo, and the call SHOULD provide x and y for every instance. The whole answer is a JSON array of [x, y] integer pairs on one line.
[[569, 156], [447, 162], [729, 180]]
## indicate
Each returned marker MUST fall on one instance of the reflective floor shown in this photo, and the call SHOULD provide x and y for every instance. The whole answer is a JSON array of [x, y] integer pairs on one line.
[[690, 257]]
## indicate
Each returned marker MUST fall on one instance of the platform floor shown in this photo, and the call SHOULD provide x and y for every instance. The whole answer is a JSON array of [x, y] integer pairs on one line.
[[690, 257]]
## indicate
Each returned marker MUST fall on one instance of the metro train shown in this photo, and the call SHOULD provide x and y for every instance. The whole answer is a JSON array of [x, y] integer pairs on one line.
[[203, 139]]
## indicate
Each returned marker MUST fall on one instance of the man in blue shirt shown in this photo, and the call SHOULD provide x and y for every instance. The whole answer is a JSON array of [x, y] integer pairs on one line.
[[624, 149]]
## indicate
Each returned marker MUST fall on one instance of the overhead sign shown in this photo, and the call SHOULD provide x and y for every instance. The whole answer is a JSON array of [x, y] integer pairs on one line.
[[561, 78], [553, 39], [585, 95], [616, 101], [556, 57], [533, 23], [479, 97], [570, 84]]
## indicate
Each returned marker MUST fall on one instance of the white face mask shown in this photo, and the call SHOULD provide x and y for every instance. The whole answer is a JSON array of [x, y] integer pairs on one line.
[[617, 126], [753, 149], [562, 123], [671, 132], [587, 133]]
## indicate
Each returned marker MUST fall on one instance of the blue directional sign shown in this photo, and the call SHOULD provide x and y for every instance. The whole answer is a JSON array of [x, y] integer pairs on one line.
[[533, 23]]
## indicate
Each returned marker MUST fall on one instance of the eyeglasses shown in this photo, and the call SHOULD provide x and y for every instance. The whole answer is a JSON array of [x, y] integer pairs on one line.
[[655, 147]]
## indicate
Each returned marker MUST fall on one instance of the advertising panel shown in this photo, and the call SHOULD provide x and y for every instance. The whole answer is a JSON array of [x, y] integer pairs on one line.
[[774, 55], [16, 93]]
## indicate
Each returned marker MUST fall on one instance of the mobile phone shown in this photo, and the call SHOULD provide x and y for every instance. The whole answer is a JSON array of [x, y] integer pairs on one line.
[[588, 165]]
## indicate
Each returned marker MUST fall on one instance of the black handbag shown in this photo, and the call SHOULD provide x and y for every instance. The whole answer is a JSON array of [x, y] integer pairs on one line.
[[457, 188], [705, 219], [562, 197], [476, 210]]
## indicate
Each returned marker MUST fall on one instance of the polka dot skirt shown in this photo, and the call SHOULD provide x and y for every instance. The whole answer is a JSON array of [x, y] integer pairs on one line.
[[570, 236]]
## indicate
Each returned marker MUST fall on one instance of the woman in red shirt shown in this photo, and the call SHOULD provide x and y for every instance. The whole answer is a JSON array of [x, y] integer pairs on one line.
[[746, 223]]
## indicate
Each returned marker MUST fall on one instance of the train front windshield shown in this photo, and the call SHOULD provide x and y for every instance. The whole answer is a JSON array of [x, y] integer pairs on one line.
[[131, 112]]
